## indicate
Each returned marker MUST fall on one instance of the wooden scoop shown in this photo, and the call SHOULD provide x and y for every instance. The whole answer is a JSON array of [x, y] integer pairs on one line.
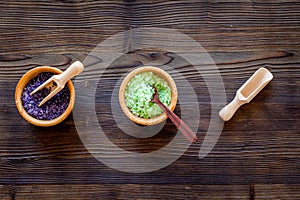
[[58, 81], [183, 127], [247, 92]]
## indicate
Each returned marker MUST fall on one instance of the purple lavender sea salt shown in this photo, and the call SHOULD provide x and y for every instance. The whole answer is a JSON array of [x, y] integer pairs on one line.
[[53, 108]]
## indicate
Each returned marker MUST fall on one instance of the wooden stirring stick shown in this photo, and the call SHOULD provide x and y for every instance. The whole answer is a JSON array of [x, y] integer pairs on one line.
[[247, 92], [185, 130], [60, 80]]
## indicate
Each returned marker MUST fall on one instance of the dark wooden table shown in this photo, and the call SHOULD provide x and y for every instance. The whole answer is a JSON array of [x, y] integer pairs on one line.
[[258, 153]]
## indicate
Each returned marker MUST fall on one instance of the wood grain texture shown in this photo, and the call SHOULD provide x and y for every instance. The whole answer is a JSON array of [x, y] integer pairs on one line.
[[129, 191], [149, 191], [258, 153]]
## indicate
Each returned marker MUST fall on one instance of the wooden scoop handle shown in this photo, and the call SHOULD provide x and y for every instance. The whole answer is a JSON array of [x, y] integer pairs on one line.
[[183, 127], [228, 111], [74, 69]]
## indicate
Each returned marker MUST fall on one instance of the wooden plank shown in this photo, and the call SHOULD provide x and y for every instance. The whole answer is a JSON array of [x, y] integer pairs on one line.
[[131, 191], [230, 64], [79, 26], [148, 191], [6, 192], [277, 191]]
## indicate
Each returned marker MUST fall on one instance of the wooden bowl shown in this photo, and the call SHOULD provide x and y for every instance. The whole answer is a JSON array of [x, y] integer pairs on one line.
[[161, 73], [19, 90]]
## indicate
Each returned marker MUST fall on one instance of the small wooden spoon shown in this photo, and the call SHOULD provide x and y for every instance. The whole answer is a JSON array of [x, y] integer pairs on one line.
[[247, 92], [58, 81], [185, 130]]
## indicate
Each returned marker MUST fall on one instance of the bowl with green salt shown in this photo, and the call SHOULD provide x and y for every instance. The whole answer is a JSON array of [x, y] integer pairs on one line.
[[136, 92]]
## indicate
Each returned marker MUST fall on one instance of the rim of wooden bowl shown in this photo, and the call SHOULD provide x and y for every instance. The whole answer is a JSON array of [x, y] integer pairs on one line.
[[19, 90], [161, 73]]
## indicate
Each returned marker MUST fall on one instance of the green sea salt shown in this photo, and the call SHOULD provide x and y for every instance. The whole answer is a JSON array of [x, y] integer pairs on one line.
[[139, 92]]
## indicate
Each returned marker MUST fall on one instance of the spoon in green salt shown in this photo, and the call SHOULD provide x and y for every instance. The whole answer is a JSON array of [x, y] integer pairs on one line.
[[183, 127]]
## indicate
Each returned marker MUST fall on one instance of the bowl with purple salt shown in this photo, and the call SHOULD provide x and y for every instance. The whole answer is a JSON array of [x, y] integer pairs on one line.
[[53, 111]]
